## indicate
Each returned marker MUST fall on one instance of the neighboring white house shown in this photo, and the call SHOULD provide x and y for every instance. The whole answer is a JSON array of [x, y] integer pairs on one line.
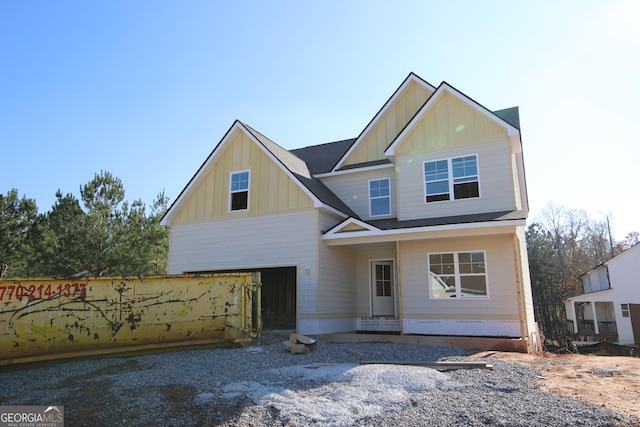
[[609, 309], [417, 226]]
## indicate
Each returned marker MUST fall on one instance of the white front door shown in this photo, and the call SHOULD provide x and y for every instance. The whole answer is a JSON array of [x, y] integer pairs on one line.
[[382, 288]]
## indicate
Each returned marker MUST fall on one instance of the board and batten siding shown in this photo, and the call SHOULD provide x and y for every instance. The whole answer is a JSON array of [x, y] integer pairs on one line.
[[448, 123], [270, 188], [389, 125], [502, 301], [287, 239], [353, 189], [495, 182]]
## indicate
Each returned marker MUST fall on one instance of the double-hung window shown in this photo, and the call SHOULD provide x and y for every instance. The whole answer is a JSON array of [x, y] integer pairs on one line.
[[451, 179], [239, 191], [379, 197], [457, 275]]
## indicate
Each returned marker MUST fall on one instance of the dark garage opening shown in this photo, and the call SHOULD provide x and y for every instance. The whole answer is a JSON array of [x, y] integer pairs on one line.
[[278, 297]]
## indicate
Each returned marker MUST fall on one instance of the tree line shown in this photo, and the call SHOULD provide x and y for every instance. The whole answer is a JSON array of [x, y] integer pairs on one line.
[[563, 245], [100, 233]]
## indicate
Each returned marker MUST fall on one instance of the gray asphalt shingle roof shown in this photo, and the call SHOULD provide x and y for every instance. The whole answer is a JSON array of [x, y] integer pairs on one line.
[[393, 223]]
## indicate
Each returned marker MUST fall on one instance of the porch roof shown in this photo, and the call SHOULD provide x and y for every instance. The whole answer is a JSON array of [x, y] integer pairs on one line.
[[598, 296], [353, 230], [394, 223]]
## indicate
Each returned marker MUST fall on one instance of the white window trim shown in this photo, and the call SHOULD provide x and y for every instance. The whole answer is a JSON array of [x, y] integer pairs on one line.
[[450, 178], [456, 267], [372, 198], [248, 190]]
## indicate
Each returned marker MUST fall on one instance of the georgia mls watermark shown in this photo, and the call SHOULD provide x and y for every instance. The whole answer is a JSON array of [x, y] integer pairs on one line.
[[31, 416]]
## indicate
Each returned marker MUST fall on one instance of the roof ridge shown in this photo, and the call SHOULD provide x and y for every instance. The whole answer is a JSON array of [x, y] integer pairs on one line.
[[287, 158]]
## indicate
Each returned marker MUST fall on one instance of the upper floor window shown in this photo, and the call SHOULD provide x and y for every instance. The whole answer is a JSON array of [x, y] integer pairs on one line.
[[457, 275], [379, 197], [239, 191], [457, 177]]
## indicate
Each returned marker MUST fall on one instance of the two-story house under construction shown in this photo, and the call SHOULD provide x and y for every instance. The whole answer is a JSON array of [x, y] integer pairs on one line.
[[417, 226]]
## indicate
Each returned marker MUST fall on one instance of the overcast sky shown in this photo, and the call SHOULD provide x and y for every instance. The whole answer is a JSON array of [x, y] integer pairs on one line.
[[146, 89]]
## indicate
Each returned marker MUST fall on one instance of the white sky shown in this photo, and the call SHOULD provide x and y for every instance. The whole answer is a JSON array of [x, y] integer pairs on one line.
[[146, 89]]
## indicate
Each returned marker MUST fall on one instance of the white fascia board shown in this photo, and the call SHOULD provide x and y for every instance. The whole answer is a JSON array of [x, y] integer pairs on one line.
[[166, 219], [591, 296], [316, 202], [330, 209], [444, 87], [415, 230], [354, 170], [238, 126], [511, 131], [410, 78]]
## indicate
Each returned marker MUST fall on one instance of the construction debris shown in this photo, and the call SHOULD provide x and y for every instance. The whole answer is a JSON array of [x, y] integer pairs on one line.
[[300, 344]]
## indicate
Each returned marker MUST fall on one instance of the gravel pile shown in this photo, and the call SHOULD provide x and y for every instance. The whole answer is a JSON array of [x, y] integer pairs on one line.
[[266, 385]]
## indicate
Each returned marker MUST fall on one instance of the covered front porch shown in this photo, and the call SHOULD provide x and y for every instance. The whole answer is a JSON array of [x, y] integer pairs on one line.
[[396, 294], [591, 319]]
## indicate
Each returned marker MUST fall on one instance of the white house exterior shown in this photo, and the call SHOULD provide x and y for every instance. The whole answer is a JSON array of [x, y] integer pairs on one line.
[[609, 309], [417, 226]]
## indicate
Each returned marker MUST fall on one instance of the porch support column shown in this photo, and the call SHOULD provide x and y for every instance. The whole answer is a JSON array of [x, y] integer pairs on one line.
[[574, 317], [400, 300], [522, 308], [595, 318]]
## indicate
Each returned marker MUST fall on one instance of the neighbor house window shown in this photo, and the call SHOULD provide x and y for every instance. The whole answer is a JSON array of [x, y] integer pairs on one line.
[[457, 275], [625, 310], [451, 179], [239, 191], [379, 197]]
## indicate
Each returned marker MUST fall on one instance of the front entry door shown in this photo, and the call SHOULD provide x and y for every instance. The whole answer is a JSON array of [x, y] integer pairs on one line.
[[382, 288]]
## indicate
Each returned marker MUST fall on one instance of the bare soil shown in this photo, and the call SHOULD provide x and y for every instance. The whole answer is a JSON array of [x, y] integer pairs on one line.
[[612, 381]]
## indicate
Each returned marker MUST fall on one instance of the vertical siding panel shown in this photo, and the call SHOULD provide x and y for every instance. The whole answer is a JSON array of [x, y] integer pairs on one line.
[[270, 188], [208, 187], [273, 183]]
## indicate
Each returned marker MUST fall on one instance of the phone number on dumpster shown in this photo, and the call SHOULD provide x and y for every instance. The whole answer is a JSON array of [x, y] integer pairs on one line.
[[68, 290]]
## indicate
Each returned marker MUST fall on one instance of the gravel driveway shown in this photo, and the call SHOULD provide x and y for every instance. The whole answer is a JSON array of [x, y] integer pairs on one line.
[[266, 385]]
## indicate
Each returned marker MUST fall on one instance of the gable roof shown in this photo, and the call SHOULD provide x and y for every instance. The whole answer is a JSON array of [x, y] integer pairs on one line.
[[412, 77], [447, 88], [293, 166], [305, 165], [613, 259]]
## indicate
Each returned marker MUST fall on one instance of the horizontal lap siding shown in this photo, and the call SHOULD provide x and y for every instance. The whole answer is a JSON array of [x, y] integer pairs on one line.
[[353, 189], [501, 276], [495, 178], [336, 291], [288, 239]]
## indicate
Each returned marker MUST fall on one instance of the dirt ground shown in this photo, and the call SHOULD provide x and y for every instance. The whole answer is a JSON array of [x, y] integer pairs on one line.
[[612, 381]]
